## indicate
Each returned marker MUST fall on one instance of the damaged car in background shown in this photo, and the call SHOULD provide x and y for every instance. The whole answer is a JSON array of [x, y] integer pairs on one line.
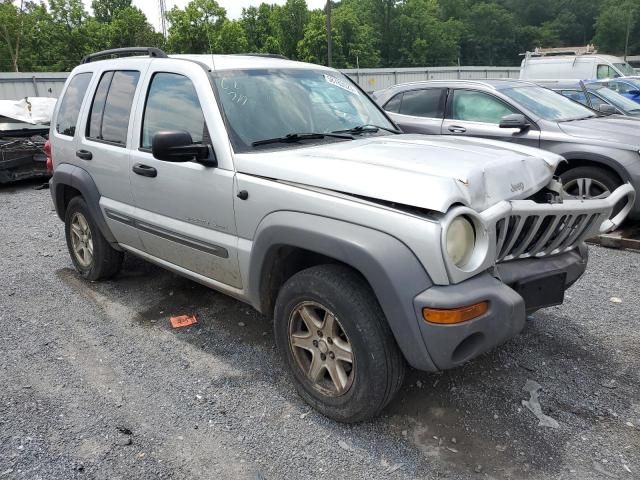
[[24, 129]]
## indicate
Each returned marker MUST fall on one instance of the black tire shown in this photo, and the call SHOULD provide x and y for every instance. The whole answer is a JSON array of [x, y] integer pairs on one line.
[[378, 366], [106, 261]]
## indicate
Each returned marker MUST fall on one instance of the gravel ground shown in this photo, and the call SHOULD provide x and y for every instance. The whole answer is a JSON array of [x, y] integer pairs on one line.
[[95, 384]]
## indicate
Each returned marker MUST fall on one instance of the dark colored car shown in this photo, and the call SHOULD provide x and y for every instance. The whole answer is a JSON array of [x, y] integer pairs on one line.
[[602, 152]]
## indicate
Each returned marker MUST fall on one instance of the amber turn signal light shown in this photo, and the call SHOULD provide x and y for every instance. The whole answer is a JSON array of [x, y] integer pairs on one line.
[[454, 315]]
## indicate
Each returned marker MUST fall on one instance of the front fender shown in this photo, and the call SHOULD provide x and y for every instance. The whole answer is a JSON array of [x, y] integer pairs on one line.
[[394, 273]]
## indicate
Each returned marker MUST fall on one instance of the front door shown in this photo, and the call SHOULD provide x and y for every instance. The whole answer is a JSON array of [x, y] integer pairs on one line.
[[185, 210], [477, 114]]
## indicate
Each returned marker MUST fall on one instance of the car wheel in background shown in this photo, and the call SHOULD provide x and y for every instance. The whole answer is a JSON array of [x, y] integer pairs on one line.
[[589, 182]]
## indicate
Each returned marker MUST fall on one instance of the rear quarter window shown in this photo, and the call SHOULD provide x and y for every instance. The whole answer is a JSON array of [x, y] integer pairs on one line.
[[70, 104]]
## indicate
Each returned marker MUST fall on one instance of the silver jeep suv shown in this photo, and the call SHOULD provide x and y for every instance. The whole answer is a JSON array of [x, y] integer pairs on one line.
[[282, 184]]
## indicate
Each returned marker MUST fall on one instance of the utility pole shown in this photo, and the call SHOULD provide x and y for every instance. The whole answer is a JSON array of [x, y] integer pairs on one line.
[[163, 18], [626, 42], [329, 39]]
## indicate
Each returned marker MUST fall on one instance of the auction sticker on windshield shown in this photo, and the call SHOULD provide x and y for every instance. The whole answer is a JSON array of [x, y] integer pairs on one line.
[[340, 83]]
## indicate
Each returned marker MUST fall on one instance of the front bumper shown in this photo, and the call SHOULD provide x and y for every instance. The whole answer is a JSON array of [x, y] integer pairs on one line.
[[453, 345]]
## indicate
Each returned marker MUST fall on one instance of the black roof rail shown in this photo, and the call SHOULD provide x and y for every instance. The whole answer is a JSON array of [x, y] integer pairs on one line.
[[267, 55], [150, 51]]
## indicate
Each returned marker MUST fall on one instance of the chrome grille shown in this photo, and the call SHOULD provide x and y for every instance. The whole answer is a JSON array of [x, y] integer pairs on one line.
[[522, 235]]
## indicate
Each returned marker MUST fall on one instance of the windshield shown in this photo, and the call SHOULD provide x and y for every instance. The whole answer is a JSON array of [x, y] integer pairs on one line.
[[548, 104], [620, 101], [261, 104], [625, 69]]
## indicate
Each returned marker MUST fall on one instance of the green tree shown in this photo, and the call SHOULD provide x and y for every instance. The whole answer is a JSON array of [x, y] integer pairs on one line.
[[291, 20], [232, 38], [491, 36], [313, 46], [261, 29], [129, 27], [423, 38], [196, 28], [105, 10], [615, 22], [11, 35], [357, 38]]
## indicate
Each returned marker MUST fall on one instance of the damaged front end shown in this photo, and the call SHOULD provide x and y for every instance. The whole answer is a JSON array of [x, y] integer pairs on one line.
[[22, 156], [23, 132]]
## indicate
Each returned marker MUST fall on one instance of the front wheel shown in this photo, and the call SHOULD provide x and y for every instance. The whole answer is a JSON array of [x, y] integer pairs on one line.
[[335, 339], [588, 182]]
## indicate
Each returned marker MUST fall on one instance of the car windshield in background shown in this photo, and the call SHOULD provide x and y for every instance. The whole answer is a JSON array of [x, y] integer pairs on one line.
[[625, 68], [548, 104], [261, 104], [620, 101]]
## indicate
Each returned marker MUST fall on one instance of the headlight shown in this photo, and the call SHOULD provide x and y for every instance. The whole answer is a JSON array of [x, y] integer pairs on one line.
[[460, 240]]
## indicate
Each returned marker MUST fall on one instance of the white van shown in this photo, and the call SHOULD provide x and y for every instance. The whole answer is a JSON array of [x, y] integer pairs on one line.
[[574, 67]]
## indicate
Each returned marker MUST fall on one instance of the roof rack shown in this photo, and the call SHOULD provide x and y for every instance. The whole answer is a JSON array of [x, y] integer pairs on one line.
[[267, 55], [150, 51], [549, 52]]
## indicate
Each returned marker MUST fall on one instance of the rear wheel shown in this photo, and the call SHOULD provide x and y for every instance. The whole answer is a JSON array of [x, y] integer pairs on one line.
[[91, 253], [336, 341]]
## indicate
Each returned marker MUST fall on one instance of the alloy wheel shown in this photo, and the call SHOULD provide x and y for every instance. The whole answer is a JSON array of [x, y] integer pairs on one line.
[[586, 188], [321, 348], [81, 240]]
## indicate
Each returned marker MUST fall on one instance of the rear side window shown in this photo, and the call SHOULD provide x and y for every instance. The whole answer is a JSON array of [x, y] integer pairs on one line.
[[70, 104], [111, 107], [172, 104], [393, 105], [423, 103]]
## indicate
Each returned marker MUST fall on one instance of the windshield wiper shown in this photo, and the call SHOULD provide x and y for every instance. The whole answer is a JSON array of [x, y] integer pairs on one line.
[[296, 137], [367, 128], [582, 118]]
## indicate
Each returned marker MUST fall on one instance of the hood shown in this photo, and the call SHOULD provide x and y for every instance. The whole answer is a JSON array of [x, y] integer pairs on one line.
[[34, 110], [616, 129], [430, 172]]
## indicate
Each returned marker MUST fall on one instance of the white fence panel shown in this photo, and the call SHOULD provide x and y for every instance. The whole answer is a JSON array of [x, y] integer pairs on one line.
[[372, 79]]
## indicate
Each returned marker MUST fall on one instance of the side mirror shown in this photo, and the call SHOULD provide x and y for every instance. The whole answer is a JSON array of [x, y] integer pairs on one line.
[[633, 93], [515, 120], [607, 109], [178, 146]]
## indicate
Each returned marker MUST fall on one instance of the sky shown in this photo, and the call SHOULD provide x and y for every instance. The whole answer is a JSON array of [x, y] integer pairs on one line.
[[233, 7]]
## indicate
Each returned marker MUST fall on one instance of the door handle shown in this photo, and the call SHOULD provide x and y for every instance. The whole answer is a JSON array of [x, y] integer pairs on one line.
[[457, 129], [84, 154], [145, 170]]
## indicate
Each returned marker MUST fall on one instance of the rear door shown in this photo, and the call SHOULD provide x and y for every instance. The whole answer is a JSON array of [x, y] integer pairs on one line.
[[477, 114], [103, 147], [185, 212], [418, 111]]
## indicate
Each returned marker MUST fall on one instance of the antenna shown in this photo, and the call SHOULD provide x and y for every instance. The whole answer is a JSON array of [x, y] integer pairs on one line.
[[163, 17]]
